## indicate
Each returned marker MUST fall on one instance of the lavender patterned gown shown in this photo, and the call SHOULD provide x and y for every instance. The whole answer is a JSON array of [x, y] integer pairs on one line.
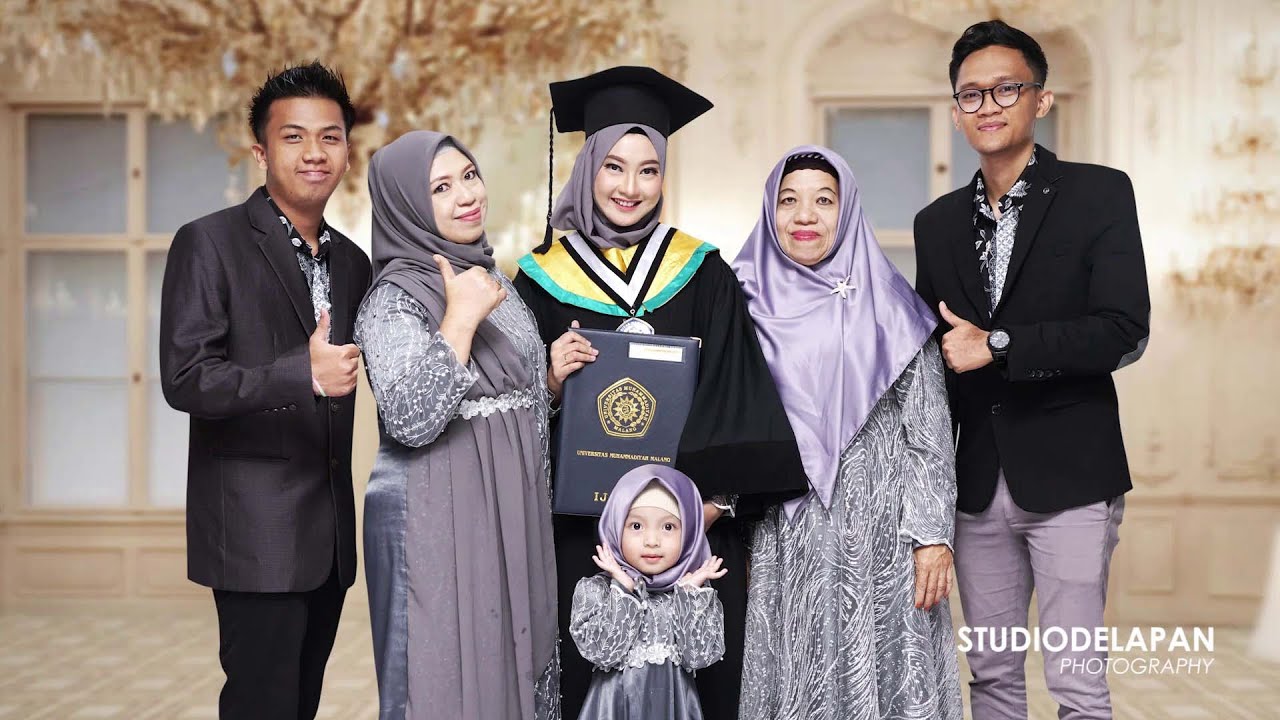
[[457, 520], [832, 628]]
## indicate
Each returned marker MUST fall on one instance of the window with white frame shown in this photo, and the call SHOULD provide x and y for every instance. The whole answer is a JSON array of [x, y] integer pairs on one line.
[[102, 196]]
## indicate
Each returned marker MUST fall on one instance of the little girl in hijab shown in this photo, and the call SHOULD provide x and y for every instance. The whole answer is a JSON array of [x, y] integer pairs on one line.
[[649, 619]]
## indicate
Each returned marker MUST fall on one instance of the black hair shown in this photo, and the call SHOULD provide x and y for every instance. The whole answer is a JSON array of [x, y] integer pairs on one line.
[[809, 161], [997, 32], [300, 81]]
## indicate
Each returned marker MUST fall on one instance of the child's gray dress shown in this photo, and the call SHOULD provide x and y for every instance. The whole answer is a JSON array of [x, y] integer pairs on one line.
[[645, 648]]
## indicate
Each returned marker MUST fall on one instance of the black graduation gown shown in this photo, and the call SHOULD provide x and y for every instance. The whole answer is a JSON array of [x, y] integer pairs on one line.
[[737, 440]]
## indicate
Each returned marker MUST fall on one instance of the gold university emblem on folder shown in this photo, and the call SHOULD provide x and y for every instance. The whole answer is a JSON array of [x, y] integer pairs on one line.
[[626, 409]]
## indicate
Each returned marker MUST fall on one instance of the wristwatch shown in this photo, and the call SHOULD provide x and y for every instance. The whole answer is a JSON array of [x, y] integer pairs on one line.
[[998, 344], [728, 504]]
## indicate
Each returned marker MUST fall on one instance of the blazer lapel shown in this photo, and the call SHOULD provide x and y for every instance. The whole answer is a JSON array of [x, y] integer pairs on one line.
[[274, 243], [1043, 191], [963, 239], [339, 290]]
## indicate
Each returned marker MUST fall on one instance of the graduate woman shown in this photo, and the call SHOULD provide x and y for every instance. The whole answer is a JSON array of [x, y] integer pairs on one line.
[[618, 266]]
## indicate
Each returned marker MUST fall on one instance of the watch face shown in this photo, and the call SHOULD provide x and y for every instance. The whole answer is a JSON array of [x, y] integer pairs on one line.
[[999, 339]]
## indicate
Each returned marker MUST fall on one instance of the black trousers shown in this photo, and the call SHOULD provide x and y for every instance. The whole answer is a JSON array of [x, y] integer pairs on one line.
[[718, 685], [273, 648]]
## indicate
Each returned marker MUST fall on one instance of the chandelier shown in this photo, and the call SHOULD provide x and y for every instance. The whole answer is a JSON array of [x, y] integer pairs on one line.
[[1030, 15], [448, 65]]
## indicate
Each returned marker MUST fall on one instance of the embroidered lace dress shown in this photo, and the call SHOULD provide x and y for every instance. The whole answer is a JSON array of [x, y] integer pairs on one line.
[[459, 483], [645, 648]]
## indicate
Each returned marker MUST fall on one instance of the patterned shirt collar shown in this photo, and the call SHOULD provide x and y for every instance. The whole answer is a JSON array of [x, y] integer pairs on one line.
[[295, 238], [1014, 197], [994, 238]]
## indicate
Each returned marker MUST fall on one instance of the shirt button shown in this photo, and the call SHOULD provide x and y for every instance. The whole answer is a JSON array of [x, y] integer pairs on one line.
[[293, 406], [335, 406], [996, 409], [333, 463]]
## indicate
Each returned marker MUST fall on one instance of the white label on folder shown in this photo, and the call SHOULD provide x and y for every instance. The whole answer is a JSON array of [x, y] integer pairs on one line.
[[649, 351]]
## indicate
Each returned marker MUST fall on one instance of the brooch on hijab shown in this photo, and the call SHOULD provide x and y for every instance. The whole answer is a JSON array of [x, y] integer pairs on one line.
[[842, 288]]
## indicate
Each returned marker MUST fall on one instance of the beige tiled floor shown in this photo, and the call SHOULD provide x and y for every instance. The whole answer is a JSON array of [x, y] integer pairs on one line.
[[162, 665]]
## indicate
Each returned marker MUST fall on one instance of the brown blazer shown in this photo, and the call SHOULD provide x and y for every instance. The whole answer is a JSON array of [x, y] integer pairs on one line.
[[269, 496]]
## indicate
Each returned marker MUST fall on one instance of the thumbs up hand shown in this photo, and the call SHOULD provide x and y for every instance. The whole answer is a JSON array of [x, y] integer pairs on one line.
[[332, 366], [964, 346], [469, 297]]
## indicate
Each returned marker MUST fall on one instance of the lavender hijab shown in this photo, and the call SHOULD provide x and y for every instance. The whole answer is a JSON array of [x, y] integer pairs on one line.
[[576, 207], [694, 549], [832, 357]]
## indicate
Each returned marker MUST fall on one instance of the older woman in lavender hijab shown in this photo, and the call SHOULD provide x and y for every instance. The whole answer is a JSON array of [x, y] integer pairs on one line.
[[847, 614], [457, 522]]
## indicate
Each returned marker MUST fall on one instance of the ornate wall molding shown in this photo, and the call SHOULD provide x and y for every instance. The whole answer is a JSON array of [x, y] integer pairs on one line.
[[739, 47]]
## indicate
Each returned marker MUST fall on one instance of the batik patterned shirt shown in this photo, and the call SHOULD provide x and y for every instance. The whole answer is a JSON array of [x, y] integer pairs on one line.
[[315, 268], [993, 238]]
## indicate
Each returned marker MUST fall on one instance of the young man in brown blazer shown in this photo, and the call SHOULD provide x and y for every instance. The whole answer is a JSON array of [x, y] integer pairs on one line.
[[257, 310]]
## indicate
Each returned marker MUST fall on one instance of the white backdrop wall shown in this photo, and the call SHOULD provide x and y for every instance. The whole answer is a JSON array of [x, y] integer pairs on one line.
[[1180, 94]]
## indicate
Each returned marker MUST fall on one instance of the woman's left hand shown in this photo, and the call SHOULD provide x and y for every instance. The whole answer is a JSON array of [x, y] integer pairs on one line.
[[933, 575]]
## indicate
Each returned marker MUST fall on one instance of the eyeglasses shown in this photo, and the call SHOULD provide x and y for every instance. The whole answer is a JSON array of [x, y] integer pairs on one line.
[[1004, 95]]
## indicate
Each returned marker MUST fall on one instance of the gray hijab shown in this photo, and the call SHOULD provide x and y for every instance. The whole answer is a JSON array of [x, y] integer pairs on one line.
[[576, 207], [405, 237]]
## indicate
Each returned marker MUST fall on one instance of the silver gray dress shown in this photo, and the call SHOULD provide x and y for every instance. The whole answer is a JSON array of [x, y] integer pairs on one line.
[[832, 628], [459, 488], [645, 648]]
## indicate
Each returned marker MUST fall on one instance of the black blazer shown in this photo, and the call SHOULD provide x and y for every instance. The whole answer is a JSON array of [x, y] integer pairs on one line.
[[269, 496], [1076, 307]]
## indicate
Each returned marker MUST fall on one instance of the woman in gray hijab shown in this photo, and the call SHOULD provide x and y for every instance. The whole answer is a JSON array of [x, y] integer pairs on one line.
[[457, 519]]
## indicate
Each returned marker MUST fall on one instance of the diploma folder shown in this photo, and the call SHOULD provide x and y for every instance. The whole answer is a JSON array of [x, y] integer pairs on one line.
[[624, 410]]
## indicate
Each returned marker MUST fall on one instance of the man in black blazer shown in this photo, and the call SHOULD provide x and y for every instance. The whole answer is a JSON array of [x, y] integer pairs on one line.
[[257, 312], [1037, 273]]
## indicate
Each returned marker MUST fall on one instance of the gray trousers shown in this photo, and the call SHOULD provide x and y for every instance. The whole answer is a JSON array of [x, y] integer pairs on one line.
[[1005, 552]]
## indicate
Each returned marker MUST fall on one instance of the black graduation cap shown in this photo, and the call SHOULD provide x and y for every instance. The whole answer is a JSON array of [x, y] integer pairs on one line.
[[624, 94]]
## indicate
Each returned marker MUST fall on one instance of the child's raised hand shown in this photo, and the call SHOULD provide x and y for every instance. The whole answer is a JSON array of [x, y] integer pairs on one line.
[[710, 570], [605, 561]]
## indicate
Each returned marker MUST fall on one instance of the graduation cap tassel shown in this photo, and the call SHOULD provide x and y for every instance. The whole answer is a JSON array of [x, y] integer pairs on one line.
[[551, 175]]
